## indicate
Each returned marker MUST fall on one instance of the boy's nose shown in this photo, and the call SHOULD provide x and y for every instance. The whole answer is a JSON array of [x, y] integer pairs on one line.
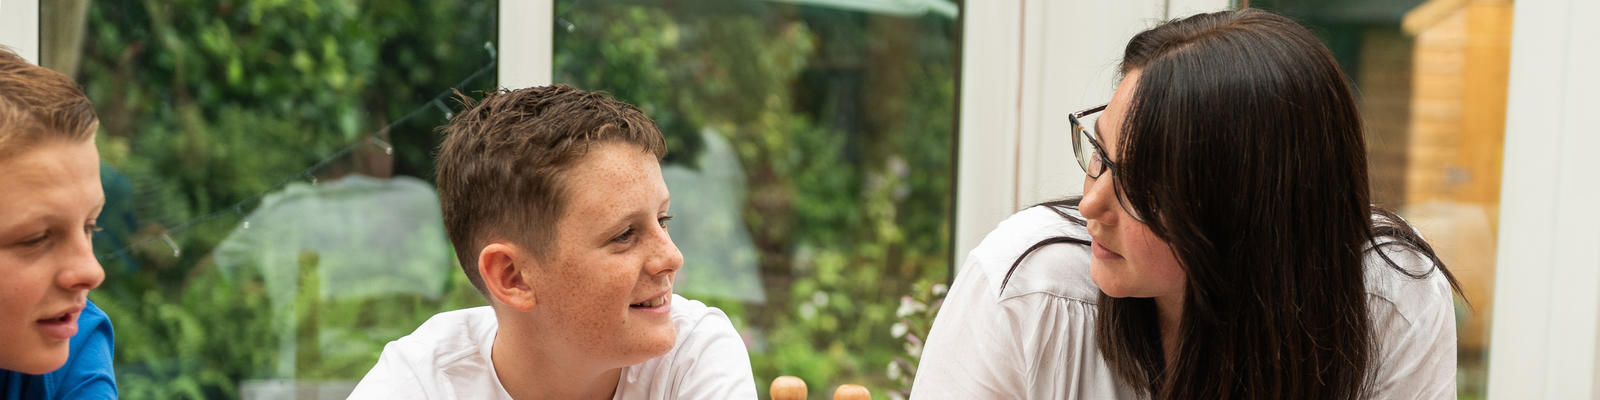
[[666, 259], [81, 271]]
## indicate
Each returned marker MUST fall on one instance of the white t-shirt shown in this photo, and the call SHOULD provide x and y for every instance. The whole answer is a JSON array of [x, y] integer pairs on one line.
[[448, 357], [1037, 341]]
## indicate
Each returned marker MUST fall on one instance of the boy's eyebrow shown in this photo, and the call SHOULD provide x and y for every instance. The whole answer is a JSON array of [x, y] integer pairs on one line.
[[630, 217], [27, 218], [31, 216]]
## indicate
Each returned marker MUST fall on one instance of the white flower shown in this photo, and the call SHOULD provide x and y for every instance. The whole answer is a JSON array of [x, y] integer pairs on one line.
[[894, 370], [898, 329], [908, 307], [940, 288]]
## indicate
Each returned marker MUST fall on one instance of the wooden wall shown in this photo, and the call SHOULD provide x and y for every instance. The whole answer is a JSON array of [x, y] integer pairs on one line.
[[1461, 59]]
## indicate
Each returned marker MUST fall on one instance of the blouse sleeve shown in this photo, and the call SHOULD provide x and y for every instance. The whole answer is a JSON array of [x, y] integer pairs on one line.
[[1415, 321], [1027, 345], [971, 352]]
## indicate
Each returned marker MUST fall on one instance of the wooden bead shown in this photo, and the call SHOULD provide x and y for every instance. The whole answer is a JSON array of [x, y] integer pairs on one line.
[[851, 392], [788, 388]]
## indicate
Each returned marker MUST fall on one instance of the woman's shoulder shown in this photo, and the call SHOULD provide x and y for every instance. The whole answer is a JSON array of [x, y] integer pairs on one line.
[[1413, 315], [1056, 269], [1408, 280]]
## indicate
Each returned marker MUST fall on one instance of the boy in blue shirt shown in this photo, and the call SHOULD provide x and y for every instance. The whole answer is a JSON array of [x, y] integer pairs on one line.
[[54, 343]]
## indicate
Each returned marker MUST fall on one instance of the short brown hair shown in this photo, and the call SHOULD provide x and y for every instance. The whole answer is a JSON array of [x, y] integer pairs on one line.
[[37, 103], [501, 165]]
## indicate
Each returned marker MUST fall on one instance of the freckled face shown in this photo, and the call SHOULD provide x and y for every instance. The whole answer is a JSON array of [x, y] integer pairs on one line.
[[49, 198], [1129, 260], [606, 286]]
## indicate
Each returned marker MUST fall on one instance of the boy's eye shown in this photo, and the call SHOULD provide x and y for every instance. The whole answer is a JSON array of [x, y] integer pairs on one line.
[[629, 234], [91, 228], [625, 237], [36, 239]]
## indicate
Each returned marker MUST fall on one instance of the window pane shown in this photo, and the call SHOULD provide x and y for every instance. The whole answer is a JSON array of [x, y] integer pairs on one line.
[[270, 224], [1432, 81], [810, 162]]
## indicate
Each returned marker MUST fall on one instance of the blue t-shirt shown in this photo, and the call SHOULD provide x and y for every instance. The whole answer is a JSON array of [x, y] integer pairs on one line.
[[86, 375]]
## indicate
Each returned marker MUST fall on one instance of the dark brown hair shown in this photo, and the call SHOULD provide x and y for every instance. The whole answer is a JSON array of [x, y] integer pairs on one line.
[[37, 103], [1242, 149], [501, 164]]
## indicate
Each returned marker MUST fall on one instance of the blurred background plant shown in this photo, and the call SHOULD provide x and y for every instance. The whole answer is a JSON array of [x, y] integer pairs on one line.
[[916, 313], [812, 144], [207, 105]]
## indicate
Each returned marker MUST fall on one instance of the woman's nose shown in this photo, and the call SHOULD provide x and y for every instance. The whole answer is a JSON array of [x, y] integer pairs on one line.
[[1099, 199]]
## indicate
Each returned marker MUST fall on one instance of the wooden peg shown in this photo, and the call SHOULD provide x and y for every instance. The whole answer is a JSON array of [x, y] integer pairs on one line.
[[851, 392], [788, 388]]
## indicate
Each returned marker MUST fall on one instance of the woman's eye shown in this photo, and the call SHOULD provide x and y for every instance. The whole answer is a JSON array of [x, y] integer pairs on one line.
[[91, 228], [663, 221]]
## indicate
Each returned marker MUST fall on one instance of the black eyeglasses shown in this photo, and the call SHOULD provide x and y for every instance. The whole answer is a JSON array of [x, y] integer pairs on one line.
[[1092, 156]]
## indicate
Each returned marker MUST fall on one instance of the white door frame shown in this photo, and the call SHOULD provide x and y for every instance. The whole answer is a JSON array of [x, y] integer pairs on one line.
[[1547, 274]]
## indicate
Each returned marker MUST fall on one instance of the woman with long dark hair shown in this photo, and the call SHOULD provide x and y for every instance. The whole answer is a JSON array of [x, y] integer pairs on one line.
[[1225, 246]]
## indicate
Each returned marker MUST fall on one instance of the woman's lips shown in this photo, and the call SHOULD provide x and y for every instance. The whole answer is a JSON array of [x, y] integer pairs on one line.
[[1101, 252]]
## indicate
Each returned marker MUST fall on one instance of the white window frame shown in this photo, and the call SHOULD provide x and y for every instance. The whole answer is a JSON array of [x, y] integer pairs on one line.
[[527, 43], [19, 27], [1025, 65]]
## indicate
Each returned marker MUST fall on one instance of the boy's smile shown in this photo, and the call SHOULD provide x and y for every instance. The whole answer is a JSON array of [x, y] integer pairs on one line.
[[659, 304]]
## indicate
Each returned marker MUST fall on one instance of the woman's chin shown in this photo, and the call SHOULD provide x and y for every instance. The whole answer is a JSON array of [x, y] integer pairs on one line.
[[1106, 278]]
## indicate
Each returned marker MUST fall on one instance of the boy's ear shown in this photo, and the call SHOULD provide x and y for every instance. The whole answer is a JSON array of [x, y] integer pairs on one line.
[[501, 265]]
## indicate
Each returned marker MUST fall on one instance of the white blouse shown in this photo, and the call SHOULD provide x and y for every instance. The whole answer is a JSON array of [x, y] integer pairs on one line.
[[1037, 341]]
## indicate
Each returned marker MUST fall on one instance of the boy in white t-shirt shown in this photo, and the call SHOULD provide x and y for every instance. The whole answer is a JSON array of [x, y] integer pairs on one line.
[[554, 200]]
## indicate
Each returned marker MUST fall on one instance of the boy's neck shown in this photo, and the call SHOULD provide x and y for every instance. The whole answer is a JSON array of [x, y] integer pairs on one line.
[[532, 369]]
